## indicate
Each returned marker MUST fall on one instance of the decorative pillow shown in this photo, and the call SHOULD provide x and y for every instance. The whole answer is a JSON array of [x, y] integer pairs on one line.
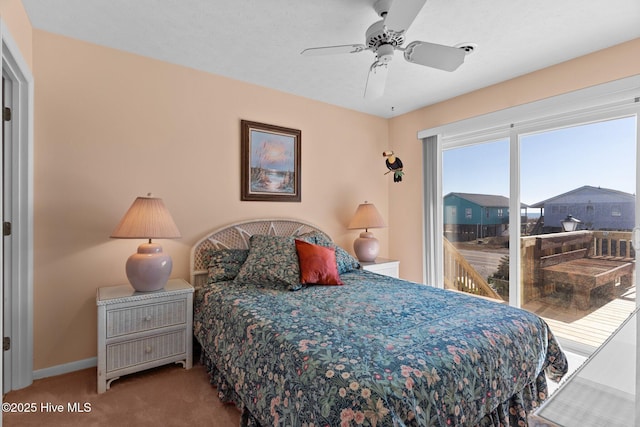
[[317, 264], [224, 264], [272, 260], [345, 261]]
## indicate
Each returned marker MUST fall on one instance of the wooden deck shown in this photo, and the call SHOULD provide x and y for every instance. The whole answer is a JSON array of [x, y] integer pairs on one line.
[[589, 327], [588, 322]]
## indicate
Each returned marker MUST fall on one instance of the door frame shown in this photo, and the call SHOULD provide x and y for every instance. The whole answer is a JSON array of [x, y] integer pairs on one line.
[[20, 136]]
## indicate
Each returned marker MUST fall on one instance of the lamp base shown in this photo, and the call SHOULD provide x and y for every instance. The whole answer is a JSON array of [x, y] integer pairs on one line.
[[148, 269], [366, 247]]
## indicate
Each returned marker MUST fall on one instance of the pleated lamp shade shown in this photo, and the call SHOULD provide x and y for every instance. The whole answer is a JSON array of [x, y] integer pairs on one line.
[[366, 246], [366, 216], [147, 218]]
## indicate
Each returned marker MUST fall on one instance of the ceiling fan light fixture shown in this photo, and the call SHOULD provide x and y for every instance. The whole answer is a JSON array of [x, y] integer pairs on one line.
[[384, 53]]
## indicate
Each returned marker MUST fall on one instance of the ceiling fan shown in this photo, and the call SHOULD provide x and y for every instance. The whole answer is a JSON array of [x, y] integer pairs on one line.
[[387, 35]]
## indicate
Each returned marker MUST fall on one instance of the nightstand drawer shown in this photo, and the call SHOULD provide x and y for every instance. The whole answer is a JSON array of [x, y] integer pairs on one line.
[[143, 318], [135, 352]]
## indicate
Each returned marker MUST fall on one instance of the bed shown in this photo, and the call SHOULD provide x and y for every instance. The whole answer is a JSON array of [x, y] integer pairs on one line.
[[370, 350]]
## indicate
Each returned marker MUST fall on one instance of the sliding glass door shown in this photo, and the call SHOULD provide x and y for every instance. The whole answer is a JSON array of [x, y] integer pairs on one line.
[[560, 201], [577, 261]]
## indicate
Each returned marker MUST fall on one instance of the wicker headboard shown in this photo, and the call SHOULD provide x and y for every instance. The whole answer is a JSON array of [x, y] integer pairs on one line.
[[236, 236]]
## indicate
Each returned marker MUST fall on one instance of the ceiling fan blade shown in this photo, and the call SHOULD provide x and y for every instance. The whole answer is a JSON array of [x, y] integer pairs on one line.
[[376, 80], [434, 55], [331, 50], [402, 13]]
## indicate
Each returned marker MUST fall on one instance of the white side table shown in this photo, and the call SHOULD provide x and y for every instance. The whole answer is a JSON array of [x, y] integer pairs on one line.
[[142, 330], [384, 266]]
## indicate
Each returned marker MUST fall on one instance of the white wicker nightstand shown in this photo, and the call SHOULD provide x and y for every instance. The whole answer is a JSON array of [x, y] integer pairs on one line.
[[387, 267], [142, 330]]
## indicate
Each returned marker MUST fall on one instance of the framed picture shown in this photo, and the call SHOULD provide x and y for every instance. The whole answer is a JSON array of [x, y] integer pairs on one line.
[[270, 166]]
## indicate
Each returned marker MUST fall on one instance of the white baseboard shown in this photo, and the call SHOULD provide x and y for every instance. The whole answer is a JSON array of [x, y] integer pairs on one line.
[[65, 368]]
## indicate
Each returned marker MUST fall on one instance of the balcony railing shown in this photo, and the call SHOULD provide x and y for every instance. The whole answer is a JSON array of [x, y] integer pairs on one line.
[[461, 276], [613, 244]]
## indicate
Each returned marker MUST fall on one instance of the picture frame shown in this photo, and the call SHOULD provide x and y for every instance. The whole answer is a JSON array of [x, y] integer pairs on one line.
[[270, 162]]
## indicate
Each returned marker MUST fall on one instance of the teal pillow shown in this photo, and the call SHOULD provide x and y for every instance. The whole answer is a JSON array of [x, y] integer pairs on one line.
[[225, 264], [273, 261], [344, 260]]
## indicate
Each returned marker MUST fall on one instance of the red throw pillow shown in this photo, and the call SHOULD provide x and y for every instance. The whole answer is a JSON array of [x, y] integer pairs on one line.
[[317, 264]]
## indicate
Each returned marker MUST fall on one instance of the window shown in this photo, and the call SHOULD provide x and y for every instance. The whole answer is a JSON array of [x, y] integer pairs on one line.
[[468, 213], [615, 210]]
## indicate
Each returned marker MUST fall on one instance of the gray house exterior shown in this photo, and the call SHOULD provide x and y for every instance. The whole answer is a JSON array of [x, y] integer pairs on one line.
[[597, 208]]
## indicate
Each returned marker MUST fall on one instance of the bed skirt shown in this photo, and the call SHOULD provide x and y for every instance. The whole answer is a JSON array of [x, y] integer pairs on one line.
[[511, 413]]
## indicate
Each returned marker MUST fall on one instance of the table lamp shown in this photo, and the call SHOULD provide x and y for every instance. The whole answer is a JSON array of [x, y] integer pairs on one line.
[[366, 246], [147, 218]]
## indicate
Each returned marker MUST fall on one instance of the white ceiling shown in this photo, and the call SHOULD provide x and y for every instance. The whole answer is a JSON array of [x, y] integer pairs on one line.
[[260, 41]]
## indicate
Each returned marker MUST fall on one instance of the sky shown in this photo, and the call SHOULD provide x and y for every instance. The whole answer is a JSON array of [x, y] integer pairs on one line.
[[601, 154], [272, 151]]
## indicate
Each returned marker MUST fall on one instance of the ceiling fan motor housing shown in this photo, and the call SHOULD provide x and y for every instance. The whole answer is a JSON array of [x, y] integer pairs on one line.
[[378, 35]]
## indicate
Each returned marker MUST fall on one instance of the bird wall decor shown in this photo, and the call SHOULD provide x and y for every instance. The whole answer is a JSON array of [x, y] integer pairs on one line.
[[394, 164]]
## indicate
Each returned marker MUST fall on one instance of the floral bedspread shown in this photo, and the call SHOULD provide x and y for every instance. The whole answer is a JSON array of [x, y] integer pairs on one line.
[[376, 352]]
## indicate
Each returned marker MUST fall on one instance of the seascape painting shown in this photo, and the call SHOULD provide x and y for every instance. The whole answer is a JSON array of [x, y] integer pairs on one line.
[[270, 163]]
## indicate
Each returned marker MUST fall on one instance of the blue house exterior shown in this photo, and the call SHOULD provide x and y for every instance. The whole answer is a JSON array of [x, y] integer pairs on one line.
[[597, 208], [469, 216]]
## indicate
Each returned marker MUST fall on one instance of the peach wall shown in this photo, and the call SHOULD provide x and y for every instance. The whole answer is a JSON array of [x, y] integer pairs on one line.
[[15, 17], [406, 201], [111, 126]]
